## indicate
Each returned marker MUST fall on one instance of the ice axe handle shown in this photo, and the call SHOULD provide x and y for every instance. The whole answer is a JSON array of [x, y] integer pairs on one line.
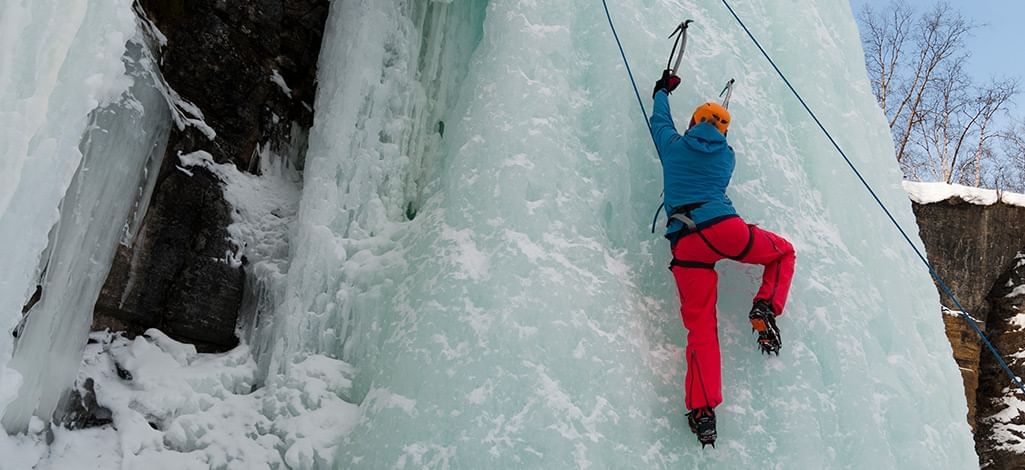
[[683, 44], [728, 91]]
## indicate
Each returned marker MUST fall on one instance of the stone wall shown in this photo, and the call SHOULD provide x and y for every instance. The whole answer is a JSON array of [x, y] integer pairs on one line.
[[220, 56], [974, 248]]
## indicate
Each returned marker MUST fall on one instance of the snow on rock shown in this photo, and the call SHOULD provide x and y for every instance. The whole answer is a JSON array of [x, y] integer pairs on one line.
[[928, 193], [263, 204], [1018, 290], [280, 82], [177, 409], [1006, 433], [85, 448]]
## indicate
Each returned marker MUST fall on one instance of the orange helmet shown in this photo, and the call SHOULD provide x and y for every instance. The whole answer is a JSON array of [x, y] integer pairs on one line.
[[714, 113]]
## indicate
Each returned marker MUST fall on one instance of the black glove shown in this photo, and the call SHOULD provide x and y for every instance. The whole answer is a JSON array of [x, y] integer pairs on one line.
[[668, 82]]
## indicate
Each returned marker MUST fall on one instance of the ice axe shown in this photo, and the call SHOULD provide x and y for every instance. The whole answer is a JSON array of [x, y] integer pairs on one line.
[[681, 41], [728, 91]]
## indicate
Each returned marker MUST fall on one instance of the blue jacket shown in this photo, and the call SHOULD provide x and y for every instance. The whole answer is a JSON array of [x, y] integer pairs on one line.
[[696, 168]]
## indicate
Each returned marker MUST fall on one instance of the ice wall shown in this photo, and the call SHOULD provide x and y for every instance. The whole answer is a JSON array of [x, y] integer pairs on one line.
[[121, 153], [387, 75], [524, 317], [58, 62]]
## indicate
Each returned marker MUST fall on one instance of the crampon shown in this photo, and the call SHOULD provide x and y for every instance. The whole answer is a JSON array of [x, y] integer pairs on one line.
[[763, 321], [702, 424]]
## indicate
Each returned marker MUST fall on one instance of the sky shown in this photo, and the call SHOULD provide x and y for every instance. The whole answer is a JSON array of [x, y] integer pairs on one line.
[[997, 47]]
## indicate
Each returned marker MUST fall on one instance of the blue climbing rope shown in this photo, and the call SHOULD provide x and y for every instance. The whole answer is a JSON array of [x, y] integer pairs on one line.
[[932, 271], [939, 280], [644, 112]]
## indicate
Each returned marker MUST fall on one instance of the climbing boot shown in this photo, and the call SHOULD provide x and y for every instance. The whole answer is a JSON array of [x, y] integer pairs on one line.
[[763, 321], [702, 424]]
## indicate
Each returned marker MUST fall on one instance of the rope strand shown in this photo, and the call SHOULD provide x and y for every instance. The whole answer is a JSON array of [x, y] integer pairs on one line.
[[637, 93], [939, 280]]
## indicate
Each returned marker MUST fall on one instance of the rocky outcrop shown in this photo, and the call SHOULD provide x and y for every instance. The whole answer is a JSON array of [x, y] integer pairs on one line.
[[967, 353], [970, 246], [975, 248], [250, 68], [1001, 438], [176, 277]]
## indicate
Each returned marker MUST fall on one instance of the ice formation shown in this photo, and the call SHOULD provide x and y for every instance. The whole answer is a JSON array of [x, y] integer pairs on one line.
[[469, 281], [58, 63]]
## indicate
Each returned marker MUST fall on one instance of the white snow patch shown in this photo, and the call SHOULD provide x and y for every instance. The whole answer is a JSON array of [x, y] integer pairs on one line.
[[467, 256], [928, 193], [174, 408], [280, 82], [1018, 290]]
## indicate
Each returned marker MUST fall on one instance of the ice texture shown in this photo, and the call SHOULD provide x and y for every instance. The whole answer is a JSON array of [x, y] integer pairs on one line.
[[58, 62], [524, 318], [121, 151]]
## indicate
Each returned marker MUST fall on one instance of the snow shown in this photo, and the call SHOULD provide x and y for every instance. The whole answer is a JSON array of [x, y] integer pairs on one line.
[[1018, 290], [280, 82], [177, 409], [928, 193], [1006, 434]]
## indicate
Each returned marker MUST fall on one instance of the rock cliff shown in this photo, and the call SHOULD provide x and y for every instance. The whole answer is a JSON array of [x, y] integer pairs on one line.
[[249, 67], [974, 240]]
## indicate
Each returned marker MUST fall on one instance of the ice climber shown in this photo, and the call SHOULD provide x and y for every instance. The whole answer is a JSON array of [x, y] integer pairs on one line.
[[704, 228]]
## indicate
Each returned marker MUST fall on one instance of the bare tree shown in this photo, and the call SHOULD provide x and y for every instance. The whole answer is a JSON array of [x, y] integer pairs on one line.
[[904, 55], [885, 36], [941, 122], [956, 128], [1011, 175]]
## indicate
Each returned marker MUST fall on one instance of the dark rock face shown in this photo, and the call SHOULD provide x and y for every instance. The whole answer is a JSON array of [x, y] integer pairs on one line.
[[81, 409], [220, 56], [1001, 418], [973, 248], [177, 278]]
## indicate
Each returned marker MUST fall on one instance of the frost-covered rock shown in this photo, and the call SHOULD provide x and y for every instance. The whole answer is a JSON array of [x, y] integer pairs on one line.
[[225, 63], [172, 407], [969, 240], [1002, 405]]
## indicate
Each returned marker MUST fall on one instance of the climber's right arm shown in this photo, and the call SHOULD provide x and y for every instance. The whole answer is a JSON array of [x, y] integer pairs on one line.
[[662, 128]]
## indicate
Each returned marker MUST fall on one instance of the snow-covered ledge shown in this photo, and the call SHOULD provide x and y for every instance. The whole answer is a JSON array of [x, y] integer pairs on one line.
[[928, 193]]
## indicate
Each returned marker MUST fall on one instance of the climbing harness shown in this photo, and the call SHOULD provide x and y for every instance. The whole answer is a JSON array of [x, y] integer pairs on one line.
[[939, 280], [683, 214]]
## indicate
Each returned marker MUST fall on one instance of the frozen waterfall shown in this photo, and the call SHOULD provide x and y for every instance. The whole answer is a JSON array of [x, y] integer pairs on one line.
[[471, 279], [524, 318], [60, 67]]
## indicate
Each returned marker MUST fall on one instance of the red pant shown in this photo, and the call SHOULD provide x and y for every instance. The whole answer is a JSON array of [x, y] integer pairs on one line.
[[697, 286]]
